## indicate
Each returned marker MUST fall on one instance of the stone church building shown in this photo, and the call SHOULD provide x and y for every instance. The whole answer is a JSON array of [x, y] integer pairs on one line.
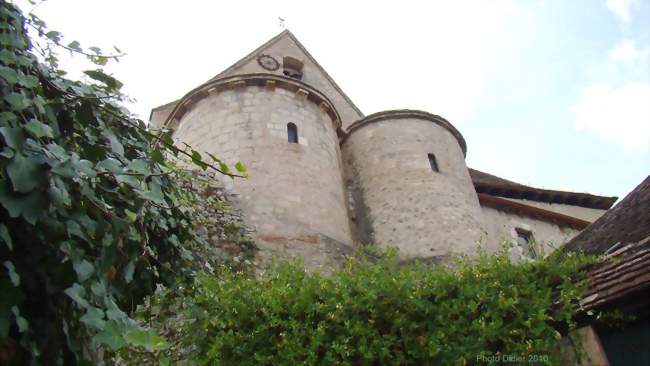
[[324, 177]]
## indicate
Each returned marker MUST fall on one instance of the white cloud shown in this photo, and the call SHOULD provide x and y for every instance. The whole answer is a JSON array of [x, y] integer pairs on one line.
[[621, 8], [627, 51], [619, 115]]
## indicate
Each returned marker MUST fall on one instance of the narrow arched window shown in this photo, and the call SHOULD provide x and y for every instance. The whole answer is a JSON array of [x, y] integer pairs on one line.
[[433, 163], [292, 133]]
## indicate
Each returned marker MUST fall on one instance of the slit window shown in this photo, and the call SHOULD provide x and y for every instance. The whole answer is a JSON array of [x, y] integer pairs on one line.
[[433, 163], [292, 133]]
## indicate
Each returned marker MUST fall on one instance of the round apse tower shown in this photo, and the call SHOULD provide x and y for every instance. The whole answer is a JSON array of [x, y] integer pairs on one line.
[[285, 133], [409, 186]]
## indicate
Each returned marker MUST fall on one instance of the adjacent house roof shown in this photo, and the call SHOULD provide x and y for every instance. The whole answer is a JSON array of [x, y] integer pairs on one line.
[[628, 222], [496, 186], [623, 234], [625, 272]]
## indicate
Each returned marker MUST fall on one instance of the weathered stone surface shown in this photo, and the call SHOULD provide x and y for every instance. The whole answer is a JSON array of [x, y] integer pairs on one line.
[[399, 200], [295, 191]]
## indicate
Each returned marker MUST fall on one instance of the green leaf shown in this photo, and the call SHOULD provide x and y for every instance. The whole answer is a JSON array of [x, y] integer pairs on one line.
[[241, 168], [7, 152], [13, 136], [9, 75], [224, 168], [15, 278], [4, 235], [74, 45], [84, 270], [100, 76], [132, 216], [98, 288], [157, 156], [111, 336], [139, 166], [23, 172], [128, 271], [22, 323], [17, 101], [38, 129], [57, 151], [111, 165], [53, 35], [94, 317], [114, 142], [77, 293], [59, 196], [29, 206], [154, 193], [147, 339], [29, 81], [114, 312], [74, 229]]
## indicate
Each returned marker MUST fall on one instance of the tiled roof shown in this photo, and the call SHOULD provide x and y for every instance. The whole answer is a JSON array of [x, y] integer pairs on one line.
[[625, 272], [496, 186], [623, 235], [628, 222]]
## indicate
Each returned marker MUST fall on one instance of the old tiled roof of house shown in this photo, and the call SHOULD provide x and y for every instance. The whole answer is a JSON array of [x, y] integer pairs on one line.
[[623, 235], [628, 222], [496, 186], [624, 272]]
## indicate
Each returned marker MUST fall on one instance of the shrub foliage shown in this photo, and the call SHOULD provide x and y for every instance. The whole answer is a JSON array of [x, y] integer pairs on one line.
[[379, 313], [94, 212]]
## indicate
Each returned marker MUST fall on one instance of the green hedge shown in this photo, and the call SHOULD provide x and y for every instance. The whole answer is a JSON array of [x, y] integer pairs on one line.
[[381, 313]]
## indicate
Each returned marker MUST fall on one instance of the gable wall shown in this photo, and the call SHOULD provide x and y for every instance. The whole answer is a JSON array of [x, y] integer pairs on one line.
[[500, 225], [312, 75]]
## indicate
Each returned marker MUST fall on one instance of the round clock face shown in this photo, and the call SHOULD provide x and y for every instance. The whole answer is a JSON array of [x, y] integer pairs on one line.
[[267, 62]]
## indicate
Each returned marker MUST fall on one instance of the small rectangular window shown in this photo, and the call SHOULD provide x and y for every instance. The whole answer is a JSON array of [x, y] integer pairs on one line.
[[292, 133], [526, 242], [433, 163]]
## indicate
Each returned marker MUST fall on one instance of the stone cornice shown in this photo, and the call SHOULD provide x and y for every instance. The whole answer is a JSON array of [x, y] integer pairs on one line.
[[270, 81], [402, 114]]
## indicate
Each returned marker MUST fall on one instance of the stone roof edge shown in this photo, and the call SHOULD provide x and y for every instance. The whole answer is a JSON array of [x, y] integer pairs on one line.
[[406, 113], [216, 85]]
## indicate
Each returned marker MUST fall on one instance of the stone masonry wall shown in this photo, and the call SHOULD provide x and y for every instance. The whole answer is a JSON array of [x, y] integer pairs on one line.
[[502, 225], [294, 196], [396, 198]]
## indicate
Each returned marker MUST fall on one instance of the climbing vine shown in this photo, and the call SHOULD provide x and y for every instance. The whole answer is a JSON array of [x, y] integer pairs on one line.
[[95, 212]]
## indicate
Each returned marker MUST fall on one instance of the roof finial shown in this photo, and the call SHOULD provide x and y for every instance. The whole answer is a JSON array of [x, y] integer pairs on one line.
[[281, 22]]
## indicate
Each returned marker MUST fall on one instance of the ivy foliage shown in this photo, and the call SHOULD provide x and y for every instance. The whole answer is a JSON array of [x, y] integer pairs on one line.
[[95, 213], [378, 313]]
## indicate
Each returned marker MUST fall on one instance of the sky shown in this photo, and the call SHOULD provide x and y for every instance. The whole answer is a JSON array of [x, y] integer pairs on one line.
[[553, 94]]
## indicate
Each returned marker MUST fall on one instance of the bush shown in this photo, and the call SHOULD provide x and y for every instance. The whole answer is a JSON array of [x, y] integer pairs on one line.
[[381, 313]]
